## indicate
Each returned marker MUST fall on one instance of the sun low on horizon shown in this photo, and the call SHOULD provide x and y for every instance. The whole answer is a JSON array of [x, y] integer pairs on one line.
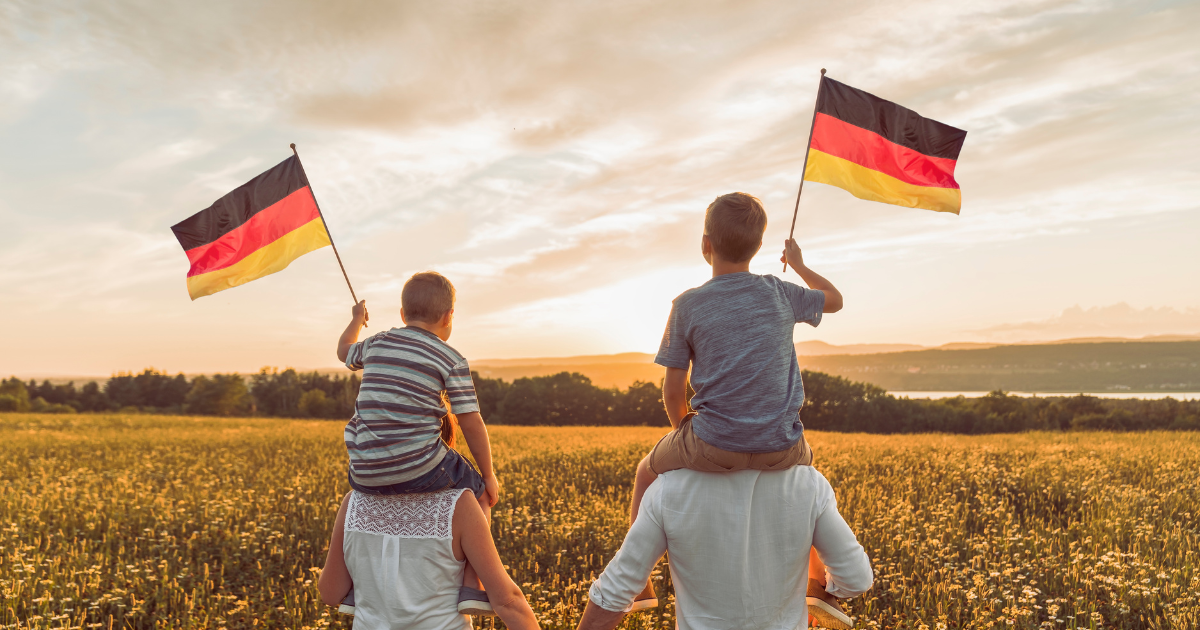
[[554, 161]]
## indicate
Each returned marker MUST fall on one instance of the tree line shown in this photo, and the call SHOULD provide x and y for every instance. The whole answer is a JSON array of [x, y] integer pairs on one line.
[[831, 403], [270, 392]]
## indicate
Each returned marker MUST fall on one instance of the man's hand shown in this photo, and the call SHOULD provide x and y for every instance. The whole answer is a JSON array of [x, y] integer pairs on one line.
[[791, 254], [358, 313], [492, 486]]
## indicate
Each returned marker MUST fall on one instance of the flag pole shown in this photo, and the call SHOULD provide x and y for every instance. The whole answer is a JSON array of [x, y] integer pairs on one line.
[[804, 168], [327, 232]]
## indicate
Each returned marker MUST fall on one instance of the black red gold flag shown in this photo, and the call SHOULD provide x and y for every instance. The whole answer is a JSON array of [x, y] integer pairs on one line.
[[254, 231], [880, 151]]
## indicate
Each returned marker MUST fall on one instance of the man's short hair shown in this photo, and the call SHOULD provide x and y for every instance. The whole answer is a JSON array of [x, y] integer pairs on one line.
[[427, 297], [735, 224]]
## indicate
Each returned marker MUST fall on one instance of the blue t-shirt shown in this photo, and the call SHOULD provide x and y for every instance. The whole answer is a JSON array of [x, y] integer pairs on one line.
[[736, 332]]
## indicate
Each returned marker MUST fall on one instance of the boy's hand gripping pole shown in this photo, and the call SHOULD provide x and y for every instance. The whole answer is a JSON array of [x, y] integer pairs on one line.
[[804, 169], [327, 232]]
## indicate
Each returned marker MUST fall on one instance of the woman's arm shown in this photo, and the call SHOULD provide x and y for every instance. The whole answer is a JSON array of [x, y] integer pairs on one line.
[[335, 578], [475, 538]]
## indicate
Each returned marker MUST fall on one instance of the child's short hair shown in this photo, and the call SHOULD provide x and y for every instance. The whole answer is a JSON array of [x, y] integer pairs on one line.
[[427, 296], [735, 224]]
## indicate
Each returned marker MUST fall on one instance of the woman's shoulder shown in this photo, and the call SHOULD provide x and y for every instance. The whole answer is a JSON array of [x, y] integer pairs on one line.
[[425, 515]]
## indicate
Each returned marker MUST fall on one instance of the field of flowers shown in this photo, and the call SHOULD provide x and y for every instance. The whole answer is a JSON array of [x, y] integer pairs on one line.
[[166, 521]]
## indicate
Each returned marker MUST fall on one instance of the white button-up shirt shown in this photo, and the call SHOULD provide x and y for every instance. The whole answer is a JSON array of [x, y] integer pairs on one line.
[[738, 546]]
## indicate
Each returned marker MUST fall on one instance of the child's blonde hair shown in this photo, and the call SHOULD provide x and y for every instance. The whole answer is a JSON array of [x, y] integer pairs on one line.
[[427, 297], [735, 224]]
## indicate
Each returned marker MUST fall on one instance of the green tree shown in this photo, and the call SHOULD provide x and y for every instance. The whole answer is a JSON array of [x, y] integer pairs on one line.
[[563, 399], [219, 395], [490, 392], [150, 388], [13, 395], [641, 404], [91, 398], [277, 393], [315, 404]]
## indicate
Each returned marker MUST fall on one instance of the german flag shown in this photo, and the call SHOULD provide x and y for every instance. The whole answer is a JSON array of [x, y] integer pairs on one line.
[[254, 231], [880, 151]]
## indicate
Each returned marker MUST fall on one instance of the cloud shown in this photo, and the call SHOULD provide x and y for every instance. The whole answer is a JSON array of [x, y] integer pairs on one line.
[[548, 155], [1119, 320]]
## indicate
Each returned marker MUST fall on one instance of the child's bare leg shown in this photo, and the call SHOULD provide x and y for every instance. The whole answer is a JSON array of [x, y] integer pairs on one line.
[[470, 577], [824, 610], [642, 480], [816, 568]]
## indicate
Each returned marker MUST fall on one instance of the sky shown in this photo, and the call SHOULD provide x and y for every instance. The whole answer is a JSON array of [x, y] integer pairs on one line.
[[554, 161]]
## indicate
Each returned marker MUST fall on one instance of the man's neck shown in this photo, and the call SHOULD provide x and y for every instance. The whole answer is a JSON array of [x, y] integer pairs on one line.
[[723, 267]]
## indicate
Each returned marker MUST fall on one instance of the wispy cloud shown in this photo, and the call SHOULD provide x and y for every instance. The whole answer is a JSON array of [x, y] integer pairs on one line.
[[554, 156]]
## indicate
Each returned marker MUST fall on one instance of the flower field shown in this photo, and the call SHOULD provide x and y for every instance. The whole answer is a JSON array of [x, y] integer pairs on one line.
[[176, 522]]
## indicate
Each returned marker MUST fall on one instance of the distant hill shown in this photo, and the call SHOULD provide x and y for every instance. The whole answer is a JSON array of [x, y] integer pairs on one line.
[[1133, 366], [820, 348], [619, 375], [587, 359], [605, 370]]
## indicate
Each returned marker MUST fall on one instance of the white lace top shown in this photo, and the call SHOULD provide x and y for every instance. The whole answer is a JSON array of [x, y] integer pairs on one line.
[[399, 550]]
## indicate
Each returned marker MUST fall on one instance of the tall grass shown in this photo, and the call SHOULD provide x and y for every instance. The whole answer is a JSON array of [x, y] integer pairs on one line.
[[147, 522]]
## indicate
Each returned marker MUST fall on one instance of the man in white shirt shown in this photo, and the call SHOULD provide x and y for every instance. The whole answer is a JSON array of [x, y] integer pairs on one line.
[[738, 546]]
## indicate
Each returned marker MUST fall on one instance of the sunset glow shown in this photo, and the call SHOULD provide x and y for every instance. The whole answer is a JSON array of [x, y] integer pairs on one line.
[[554, 161]]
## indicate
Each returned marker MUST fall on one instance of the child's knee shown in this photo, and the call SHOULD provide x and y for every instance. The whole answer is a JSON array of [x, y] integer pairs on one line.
[[645, 476], [485, 505]]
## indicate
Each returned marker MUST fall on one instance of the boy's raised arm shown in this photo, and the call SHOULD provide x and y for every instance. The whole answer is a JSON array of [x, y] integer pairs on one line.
[[793, 257], [358, 319]]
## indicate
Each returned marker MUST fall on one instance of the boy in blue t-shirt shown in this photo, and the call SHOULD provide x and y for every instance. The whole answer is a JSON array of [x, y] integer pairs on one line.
[[734, 332]]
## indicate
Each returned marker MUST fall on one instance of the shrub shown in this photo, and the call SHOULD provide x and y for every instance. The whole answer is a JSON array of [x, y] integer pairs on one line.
[[220, 395], [8, 402], [1185, 423], [15, 389], [315, 404]]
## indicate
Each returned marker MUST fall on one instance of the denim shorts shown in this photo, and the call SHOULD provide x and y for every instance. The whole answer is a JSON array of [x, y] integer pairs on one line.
[[455, 471]]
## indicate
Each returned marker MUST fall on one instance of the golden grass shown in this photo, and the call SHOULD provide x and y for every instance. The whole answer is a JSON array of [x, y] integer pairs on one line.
[[160, 521]]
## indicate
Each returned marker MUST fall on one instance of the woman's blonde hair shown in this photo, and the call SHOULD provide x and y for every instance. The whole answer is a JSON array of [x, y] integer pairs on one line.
[[449, 429], [449, 423]]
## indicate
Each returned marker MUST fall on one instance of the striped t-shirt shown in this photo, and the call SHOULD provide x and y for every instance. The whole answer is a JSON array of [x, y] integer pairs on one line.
[[394, 435]]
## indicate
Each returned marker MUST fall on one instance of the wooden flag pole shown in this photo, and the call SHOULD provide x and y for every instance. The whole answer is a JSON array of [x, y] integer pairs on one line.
[[327, 232], [804, 168]]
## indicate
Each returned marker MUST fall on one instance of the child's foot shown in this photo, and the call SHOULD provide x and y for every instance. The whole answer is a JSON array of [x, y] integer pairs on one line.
[[645, 600], [826, 609], [347, 606], [472, 601]]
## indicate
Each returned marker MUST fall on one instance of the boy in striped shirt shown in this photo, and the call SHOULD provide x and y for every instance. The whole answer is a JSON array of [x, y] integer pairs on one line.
[[412, 383]]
